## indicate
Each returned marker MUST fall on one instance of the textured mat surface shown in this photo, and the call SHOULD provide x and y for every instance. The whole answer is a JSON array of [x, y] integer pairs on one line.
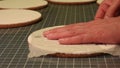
[[14, 46]]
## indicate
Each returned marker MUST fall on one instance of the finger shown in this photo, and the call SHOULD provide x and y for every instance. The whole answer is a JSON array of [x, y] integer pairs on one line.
[[65, 28], [68, 31], [83, 38], [102, 9], [52, 31], [111, 12], [55, 36]]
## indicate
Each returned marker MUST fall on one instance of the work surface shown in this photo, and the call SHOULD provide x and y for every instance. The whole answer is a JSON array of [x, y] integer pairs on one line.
[[14, 46]]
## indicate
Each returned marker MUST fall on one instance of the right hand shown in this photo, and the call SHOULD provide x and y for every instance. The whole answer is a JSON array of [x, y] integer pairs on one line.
[[98, 31]]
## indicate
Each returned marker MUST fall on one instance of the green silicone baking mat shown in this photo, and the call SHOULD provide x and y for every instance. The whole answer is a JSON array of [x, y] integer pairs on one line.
[[14, 46]]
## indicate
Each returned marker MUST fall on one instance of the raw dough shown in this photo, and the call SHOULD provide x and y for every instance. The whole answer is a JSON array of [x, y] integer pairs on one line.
[[71, 1], [22, 4], [99, 1], [15, 18]]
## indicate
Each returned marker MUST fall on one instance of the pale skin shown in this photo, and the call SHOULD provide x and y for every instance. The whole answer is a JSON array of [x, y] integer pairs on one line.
[[104, 29], [108, 8]]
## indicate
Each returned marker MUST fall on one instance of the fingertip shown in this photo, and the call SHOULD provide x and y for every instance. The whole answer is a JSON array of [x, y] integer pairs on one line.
[[69, 41], [45, 33], [51, 36], [64, 41]]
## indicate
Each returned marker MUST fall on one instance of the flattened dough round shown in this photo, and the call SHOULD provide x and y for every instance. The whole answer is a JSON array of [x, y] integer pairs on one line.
[[99, 1], [39, 45], [22, 4], [15, 18], [71, 1]]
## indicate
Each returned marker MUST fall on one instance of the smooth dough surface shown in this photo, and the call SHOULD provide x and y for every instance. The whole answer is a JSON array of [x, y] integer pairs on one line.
[[72, 1], [12, 16], [39, 45], [22, 4], [99, 1]]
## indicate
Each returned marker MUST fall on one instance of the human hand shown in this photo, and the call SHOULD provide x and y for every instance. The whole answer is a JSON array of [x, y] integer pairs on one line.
[[108, 8], [98, 31]]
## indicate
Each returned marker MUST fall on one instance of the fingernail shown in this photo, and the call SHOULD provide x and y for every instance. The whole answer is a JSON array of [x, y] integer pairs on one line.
[[62, 41], [51, 37], [45, 34]]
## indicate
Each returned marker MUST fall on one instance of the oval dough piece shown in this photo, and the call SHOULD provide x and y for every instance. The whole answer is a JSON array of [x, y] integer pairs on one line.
[[22, 4], [99, 1], [71, 1], [39, 45], [16, 18]]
